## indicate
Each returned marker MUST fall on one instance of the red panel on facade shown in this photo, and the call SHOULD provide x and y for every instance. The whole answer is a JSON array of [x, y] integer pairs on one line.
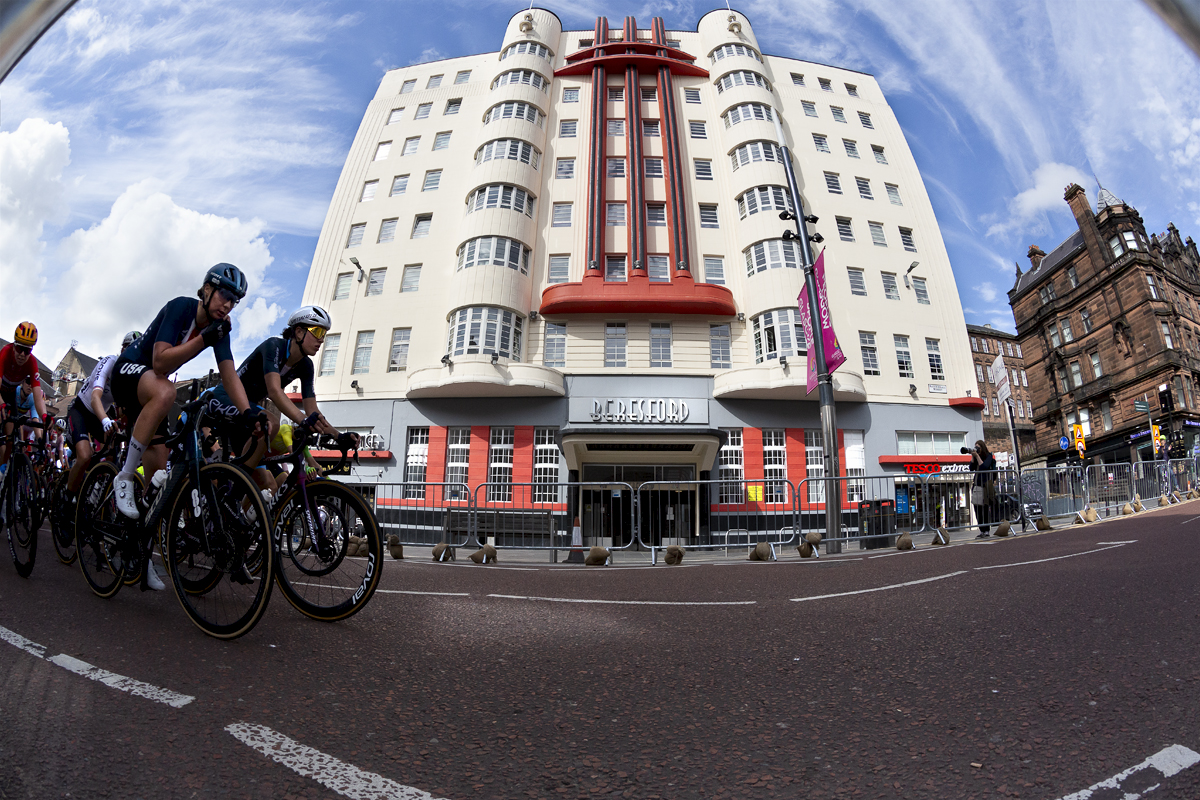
[[796, 455], [435, 469], [968, 402], [523, 454], [752, 454], [480, 446], [594, 295]]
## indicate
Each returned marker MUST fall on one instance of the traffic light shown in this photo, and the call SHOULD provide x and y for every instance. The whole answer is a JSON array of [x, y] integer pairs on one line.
[[1166, 403]]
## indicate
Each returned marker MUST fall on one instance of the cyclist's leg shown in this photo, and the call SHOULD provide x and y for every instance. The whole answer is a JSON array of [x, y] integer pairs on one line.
[[154, 396]]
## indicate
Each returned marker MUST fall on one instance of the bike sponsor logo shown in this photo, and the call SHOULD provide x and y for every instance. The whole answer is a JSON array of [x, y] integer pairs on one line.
[[366, 580]]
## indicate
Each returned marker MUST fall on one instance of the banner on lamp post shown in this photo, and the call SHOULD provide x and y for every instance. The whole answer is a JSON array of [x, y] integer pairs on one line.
[[834, 357]]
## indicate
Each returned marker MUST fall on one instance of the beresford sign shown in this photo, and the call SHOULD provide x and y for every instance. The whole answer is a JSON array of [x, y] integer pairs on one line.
[[639, 410]]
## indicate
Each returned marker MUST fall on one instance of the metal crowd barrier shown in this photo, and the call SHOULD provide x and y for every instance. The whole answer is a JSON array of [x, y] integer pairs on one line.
[[541, 516], [425, 513], [1059, 491], [875, 508], [1151, 480], [951, 499], [1110, 487]]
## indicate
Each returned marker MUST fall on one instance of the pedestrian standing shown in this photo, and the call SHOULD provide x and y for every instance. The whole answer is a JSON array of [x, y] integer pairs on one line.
[[983, 486]]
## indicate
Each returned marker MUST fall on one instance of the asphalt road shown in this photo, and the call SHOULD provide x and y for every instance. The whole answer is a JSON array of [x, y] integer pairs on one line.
[[983, 676]]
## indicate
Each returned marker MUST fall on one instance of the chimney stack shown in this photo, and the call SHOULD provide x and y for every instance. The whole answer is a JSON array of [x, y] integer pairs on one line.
[[1035, 258], [1076, 197]]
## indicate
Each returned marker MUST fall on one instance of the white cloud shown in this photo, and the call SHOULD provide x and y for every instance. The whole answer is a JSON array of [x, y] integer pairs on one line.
[[1026, 210], [987, 291], [253, 322]]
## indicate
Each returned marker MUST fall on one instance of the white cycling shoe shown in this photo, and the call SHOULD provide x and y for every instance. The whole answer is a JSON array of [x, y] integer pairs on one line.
[[123, 489], [152, 579]]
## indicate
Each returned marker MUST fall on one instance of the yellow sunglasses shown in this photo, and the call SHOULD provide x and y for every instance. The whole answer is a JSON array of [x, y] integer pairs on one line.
[[318, 333]]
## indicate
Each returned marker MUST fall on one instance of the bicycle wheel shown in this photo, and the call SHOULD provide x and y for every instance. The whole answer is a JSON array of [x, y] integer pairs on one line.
[[208, 548], [62, 522], [100, 531], [20, 515], [313, 570]]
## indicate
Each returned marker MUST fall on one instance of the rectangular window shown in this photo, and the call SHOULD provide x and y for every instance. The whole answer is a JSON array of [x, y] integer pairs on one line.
[[458, 462], [974, 344], [423, 111], [1086, 317], [1117, 247], [844, 230], [616, 168], [356, 234], [545, 466], [421, 225], [1020, 410], [864, 188], [500, 465], [408, 86], [708, 216], [616, 94], [839, 115], [382, 150], [1066, 330], [342, 291], [921, 291], [1130, 240], [1029, 409], [375, 281], [1097, 370], [410, 145], [1008, 346], [983, 343], [452, 106], [719, 347], [697, 129], [865, 119], [934, 351], [814, 465], [714, 270], [904, 356], [616, 127], [614, 344], [775, 487], [979, 372], [833, 183], [412, 278], [651, 128], [879, 156], [362, 352], [851, 148], [821, 143], [660, 344], [731, 468], [329, 353], [797, 79], [703, 169], [653, 167], [462, 77], [877, 234], [1062, 380], [1072, 276], [567, 128], [858, 286], [416, 459], [1024, 380], [571, 95], [554, 349], [890, 290], [852, 90], [614, 268], [893, 193], [561, 217], [442, 140], [560, 269], [395, 116], [1166, 332], [995, 407], [1153, 287], [826, 85], [1076, 375], [434, 82], [658, 269], [691, 95], [649, 94], [615, 216], [398, 358], [399, 185], [906, 239], [856, 465], [1105, 415], [866, 342], [564, 168], [810, 109], [433, 179], [368, 192], [656, 215]]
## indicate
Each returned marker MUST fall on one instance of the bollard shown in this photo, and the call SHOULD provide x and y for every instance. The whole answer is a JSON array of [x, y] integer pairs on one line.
[[443, 552], [1004, 528], [484, 555], [761, 552], [806, 550], [1163, 501], [1126, 510], [904, 541], [1043, 524], [940, 538], [395, 546], [597, 557], [674, 554]]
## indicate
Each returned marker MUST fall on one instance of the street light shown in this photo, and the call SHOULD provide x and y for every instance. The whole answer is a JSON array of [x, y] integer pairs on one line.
[[911, 267], [361, 273]]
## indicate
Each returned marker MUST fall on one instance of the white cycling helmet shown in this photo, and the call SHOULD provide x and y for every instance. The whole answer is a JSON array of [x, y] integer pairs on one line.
[[310, 316], [130, 338]]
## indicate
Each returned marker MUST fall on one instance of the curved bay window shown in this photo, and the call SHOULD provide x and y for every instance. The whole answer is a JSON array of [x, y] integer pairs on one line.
[[484, 330], [778, 334], [727, 50], [756, 151], [764, 198], [525, 76], [527, 48], [746, 112], [743, 77], [497, 251], [511, 149], [514, 109], [772, 254], [501, 195]]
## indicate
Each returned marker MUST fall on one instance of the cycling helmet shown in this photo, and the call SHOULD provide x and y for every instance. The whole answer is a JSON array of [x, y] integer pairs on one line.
[[227, 276], [26, 334], [130, 338], [310, 317]]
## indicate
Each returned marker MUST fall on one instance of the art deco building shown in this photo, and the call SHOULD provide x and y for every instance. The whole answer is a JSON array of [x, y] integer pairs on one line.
[[566, 258]]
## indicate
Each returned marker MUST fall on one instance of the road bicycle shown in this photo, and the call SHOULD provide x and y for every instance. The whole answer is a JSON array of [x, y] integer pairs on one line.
[[20, 505]]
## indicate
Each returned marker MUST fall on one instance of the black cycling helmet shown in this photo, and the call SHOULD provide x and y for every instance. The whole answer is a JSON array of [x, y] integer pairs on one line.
[[227, 276]]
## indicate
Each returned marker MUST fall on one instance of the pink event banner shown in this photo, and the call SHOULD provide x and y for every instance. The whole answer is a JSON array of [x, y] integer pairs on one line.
[[834, 357]]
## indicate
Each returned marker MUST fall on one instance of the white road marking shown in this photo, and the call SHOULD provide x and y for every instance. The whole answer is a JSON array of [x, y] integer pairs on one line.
[[908, 552], [135, 687], [1169, 761], [1055, 558], [879, 588], [627, 602], [19, 641], [332, 773], [1186, 521], [1131, 541], [389, 591]]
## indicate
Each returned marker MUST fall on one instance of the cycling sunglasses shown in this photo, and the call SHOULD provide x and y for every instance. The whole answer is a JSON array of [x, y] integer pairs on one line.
[[228, 296], [318, 333], [22, 349]]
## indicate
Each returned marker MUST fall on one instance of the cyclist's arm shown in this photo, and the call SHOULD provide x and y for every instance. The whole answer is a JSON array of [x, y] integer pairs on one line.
[[169, 359], [281, 400], [96, 403], [39, 401], [233, 384], [322, 426]]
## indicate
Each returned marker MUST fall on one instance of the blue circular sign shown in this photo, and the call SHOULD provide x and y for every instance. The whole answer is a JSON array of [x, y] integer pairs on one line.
[[1064, 443]]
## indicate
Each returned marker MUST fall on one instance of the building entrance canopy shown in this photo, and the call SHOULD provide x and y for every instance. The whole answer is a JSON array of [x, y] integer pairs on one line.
[[696, 449]]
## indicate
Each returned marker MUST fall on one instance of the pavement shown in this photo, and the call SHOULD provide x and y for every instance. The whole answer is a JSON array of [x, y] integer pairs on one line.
[[1049, 665]]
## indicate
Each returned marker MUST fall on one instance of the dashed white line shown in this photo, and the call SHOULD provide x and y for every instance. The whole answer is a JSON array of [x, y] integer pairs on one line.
[[880, 588], [1186, 521], [332, 773], [1054, 558], [19, 641], [389, 591], [124, 684], [627, 602], [1168, 761]]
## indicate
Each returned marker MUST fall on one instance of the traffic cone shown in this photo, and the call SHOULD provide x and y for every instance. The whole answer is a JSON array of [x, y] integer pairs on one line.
[[576, 556]]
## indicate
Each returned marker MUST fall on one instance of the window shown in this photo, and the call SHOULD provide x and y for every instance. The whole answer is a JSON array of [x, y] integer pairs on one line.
[[412, 278], [567, 128], [434, 82], [514, 110], [708, 216], [691, 95], [1066, 330], [852, 90], [485, 329], [356, 234], [984, 344], [650, 127], [501, 195], [398, 358], [1072, 277], [362, 352], [614, 268], [616, 168], [564, 168], [879, 156], [511, 149], [560, 269], [1086, 317], [851, 148], [797, 79], [906, 239], [764, 198], [1029, 409], [458, 462], [1020, 410], [890, 290], [1055, 339], [1130, 240], [495, 251], [747, 111], [660, 344], [399, 185], [697, 129], [727, 50], [775, 487], [974, 344], [616, 94], [1062, 380], [423, 111], [368, 192], [839, 115], [616, 127], [1024, 380], [979, 372], [416, 459], [441, 141], [866, 343], [656, 215], [772, 254], [649, 94], [462, 77], [653, 167], [342, 290], [530, 48], [810, 109], [921, 291], [615, 216], [825, 84], [1097, 370], [931, 443], [614, 344], [703, 169], [554, 346], [1076, 375], [561, 217], [1105, 415], [995, 407], [408, 86], [570, 95], [1117, 247], [1008, 346], [658, 269], [329, 353], [730, 468], [1166, 332], [856, 465], [778, 334], [833, 183], [519, 76], [904, 357], [410, 145], [382, 150], [858, 286], [814, 465], [545, 466], [395, 116], [387, 231], [1152, 286], [719, 346], [935, 360], [433, 179], [893, 193], [421, 224], [756, 151], [500, 465], [742, 78], [864, 189], [844, 230]]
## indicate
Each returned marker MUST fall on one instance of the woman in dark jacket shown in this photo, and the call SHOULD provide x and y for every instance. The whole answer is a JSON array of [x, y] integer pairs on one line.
[[983, 464]]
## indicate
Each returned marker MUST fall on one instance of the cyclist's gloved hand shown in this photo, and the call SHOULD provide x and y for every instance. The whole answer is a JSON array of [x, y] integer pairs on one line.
[[216, 332], [253, 416], [108, 425], [347, 441]]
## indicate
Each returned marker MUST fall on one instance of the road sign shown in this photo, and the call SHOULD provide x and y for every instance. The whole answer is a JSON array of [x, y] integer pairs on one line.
[[1000, 376], [1141, 406], [1064, 443], [1077, 433]]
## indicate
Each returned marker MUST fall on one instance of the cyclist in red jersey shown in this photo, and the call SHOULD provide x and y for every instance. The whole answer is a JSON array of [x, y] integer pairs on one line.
[[17, 364]]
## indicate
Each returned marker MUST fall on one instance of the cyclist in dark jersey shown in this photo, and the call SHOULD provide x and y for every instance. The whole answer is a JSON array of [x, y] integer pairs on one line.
[[87, 416], [140, 383]]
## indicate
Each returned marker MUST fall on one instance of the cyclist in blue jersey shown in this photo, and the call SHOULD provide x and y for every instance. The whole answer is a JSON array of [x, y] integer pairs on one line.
[[140, 383]]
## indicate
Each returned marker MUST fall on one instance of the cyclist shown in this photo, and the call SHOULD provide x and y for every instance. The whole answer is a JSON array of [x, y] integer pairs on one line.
[[18, 365], [140, 383], [87, 419]]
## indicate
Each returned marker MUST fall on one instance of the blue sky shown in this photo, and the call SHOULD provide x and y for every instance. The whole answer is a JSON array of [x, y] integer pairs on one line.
[[140, 141]]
